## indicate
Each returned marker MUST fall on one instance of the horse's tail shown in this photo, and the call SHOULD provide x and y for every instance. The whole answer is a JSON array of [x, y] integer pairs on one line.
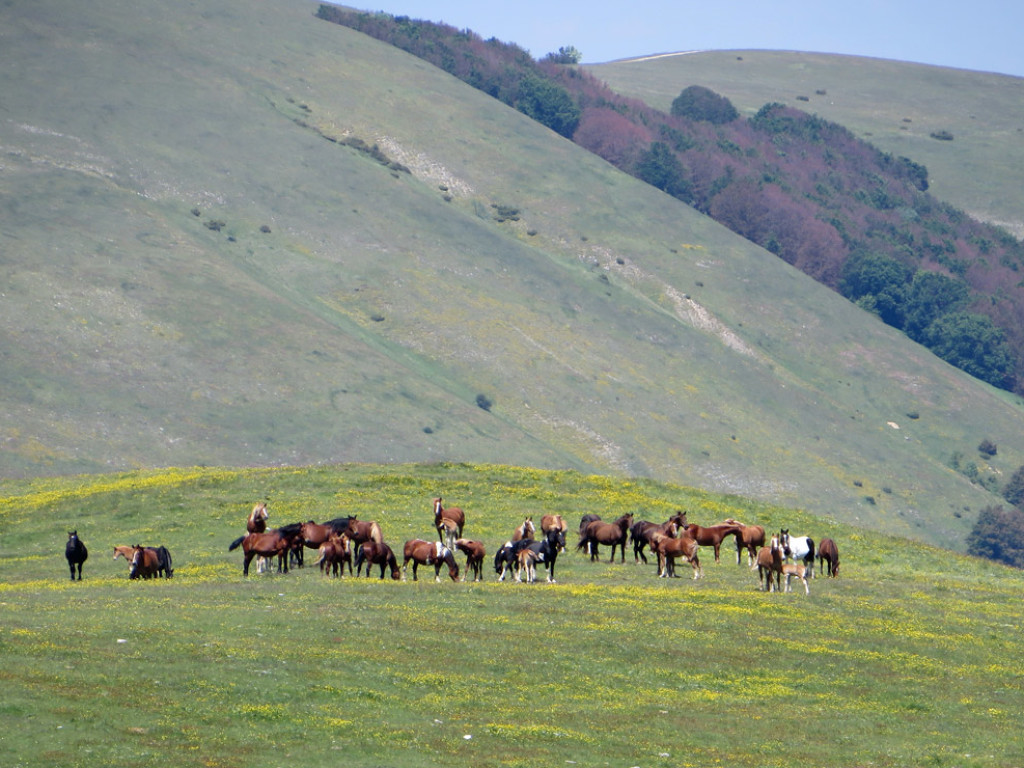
[[375, 533], [164, 560], [234, 544]]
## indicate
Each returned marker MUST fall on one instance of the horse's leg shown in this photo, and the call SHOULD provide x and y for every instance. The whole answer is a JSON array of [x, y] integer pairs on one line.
[[245, 565], [717, 546]]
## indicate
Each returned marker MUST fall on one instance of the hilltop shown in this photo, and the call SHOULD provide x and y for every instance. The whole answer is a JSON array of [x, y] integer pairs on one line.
[[240, 235]]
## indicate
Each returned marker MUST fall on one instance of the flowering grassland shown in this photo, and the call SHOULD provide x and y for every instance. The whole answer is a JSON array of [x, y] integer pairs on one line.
[[610, 666]]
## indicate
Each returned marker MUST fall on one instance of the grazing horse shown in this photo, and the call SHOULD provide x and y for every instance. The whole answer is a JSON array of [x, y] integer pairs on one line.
[[257, 522], [769, 565], [640, 533], [749, 537], [475, 554], [507, 556], [800, 548], [524, 531], [789, 570], [429, 553], [454, 514], [828, 552], [150, 563], [76, 554], [333, 554], [377, 553], [545, 551], [711, 536], [612, 534], [668, 548], [275, 542]]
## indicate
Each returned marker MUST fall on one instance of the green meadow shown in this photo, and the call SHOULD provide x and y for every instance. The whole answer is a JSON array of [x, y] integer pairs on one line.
[[910, 657]]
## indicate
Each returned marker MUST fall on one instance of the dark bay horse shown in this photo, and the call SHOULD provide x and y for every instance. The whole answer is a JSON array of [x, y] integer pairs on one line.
[[76, 554], [276, 542], [712, 535], [433, 553], [584, 522], [475, 553], [377, 553], [828, 553], [611, 534], [640, 533], [454, 514], [333, 554]]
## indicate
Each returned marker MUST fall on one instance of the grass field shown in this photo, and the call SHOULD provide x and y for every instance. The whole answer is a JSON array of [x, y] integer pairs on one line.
[[910, 657]]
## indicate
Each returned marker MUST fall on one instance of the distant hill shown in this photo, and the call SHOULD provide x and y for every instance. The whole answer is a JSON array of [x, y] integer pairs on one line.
[[240, 235]]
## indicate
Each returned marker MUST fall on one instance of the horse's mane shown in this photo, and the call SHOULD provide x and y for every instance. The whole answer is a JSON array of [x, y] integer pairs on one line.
[[375, 532]]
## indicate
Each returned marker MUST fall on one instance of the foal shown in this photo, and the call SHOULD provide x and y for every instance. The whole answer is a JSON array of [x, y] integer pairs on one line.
[[789, 570]]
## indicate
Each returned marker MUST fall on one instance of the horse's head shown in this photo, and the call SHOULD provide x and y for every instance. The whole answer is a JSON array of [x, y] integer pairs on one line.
[[556, 539], [138, 556]]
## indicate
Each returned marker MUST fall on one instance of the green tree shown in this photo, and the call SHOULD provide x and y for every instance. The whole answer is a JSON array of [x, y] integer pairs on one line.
[[567, 54], [1013, 491], [931, 295], [660, 168], [878, 284], [700, 103], [973, 344], [548, 103], [998, 535]]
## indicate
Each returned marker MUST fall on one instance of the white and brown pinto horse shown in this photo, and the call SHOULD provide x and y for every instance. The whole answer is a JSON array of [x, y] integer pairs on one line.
[[799, 548], [433, 553]]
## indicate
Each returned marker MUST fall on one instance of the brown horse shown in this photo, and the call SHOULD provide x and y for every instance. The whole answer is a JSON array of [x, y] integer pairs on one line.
[[789, 570], [769, 566], [749, 537], [526, 560], [377, 553], [475, 553], [584, 522], [334, 554], [448, 531], [828, 552], [711, 536], [524, 531], [454, 514], [155, 561], [362, 531], [267, 544], [429, 553], [554, 523], [640, 533], [257, 522], [668, 549], [611, 534]]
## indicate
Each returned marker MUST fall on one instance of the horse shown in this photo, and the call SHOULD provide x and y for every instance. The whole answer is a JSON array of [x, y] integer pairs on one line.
[[526, 559], [156, 561], [475, 554], [712, 535], [524, 531], [640, 533], [257, 521], [333, 554], [448, 531], [429, 553], [315, 534], [828, 552], [76, 553], [749, 537], [799, 548], [362, 531], [789, 570], [507, 556], [554, 522], [545, 551], [454, 514], [377, 553], [769, 564], [275, 542], [613, 534], [584, 522], [668, 548]]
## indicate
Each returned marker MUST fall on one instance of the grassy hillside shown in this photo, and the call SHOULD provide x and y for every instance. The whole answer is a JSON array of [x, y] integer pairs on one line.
[[895, 105], [203, 265], [610, 665]]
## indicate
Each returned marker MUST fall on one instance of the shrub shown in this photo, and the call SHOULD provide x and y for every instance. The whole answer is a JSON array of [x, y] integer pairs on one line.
[[483, 401], [941, 135], [700, 103], [998, 535], [1014, 490], [987, 448]]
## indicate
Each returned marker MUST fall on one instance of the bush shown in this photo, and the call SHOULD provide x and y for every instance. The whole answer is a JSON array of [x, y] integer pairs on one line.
[[484, 402], [1013, 492], [700, 103], [987, 448], [998, 535]]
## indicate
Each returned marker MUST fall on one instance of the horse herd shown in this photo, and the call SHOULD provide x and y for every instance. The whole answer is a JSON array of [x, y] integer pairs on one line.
[[355, 544]]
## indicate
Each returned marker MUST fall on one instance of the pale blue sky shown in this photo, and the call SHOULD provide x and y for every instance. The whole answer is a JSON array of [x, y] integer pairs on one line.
[[984, 35]]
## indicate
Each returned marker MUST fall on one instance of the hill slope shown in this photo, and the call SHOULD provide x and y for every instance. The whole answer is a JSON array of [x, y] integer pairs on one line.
[[203, 264], [895, 105]]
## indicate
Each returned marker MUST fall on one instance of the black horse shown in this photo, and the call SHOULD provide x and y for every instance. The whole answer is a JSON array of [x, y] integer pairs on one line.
[[547, 552], [506, 557], [76, 553]]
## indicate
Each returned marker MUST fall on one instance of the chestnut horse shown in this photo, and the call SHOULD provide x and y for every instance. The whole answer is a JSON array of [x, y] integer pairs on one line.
[[429, 553], [668, 548], [362, 531], [257, 522], [475, 553], [76, 554], [454, 514], [377, 553], [789, 570], [611, 534], [769, 566], [828, 552], [448, 531], [267, 544], [712, 536], [155, 561], [524, 531], [640, 533], [749, 537], [584, 522], [333, 554]]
